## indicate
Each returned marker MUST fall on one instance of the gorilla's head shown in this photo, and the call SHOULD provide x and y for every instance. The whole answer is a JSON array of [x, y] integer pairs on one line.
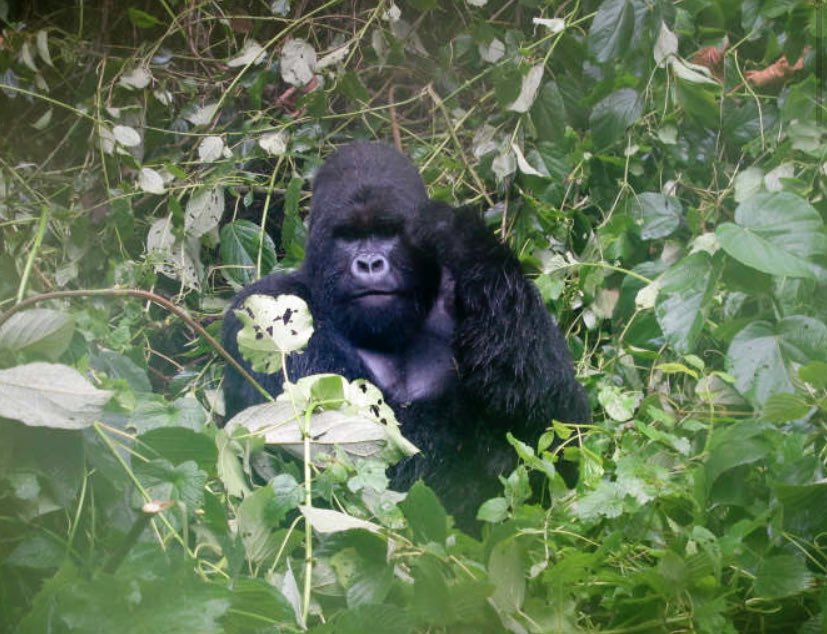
[[367, 278]]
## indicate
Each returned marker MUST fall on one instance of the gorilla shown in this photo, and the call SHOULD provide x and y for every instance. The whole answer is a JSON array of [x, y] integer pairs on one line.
[[424, 302]]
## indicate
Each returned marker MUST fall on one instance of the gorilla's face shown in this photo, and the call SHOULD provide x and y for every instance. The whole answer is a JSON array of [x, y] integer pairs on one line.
[[376, 288]]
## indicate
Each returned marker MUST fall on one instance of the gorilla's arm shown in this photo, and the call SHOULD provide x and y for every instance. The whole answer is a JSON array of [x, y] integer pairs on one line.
[[325, 352], [512, 358]]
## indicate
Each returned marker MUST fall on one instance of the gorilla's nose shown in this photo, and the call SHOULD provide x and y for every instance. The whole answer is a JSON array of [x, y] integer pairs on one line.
[[369, 267]]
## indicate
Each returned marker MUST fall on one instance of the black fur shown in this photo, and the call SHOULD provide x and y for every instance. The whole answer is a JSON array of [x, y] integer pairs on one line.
[[464, 349]]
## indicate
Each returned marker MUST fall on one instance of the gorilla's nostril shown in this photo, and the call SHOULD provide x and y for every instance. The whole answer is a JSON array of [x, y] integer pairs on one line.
[[370, 265]]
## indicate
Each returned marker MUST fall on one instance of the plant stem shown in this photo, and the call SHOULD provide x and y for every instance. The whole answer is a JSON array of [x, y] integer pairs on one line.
[[308, 527], [38, 240], [155, 299]]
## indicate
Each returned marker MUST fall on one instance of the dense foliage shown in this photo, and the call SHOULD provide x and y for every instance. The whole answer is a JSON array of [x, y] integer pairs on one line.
[[659, 167]]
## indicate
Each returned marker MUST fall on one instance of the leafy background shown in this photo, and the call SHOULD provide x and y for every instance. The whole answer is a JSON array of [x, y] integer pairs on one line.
[[659, 168]]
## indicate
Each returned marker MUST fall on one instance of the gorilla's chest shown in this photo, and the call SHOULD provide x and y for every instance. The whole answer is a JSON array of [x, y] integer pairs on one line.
[[424, 371]]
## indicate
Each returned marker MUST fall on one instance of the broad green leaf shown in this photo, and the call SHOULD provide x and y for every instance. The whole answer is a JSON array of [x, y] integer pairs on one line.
[[611, 30], [761, 355], [425, 514], [50, 395], [240, 244], [804, 508], [505, 573], [815, 374], [612, 115], [699, 102], [178, 445], [293, 231], [493, 511], [657, 215], [149, 596], [385, 618], [620, 405], [734, 446], [782, 576], [684, 298], [549, 113], [254, 601], [260, 514], [777, 233], [39, 332], [164, 481], [153, 411], [784, 407]]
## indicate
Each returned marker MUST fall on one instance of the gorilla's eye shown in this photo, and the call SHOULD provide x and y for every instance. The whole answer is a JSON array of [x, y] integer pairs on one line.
[[382, 229]]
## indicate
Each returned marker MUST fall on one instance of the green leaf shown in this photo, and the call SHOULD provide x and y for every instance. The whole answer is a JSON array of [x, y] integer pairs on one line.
[[178, 445], [240, 243], [784, 407], [734, 446], [426, 516], [255, 602], [142, 19], [657, 215], [699, 102], [620, 405], [761, 354], [134, 601], [388, 619], [293, 231], [260, 514], [815, 374], [39, 332], [505, 572], [184, 482], [549, 113], [804, 508], [782, 576], [612, 115], [611, 30], [684, 298], [493, 511], [50, 395], [778, 233]]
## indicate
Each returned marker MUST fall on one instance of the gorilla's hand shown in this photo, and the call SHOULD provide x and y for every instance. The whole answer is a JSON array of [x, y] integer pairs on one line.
[[457, 239]]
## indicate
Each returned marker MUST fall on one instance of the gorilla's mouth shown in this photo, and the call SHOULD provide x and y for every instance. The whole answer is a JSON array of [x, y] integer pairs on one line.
[[376, 299], [375, 295]]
